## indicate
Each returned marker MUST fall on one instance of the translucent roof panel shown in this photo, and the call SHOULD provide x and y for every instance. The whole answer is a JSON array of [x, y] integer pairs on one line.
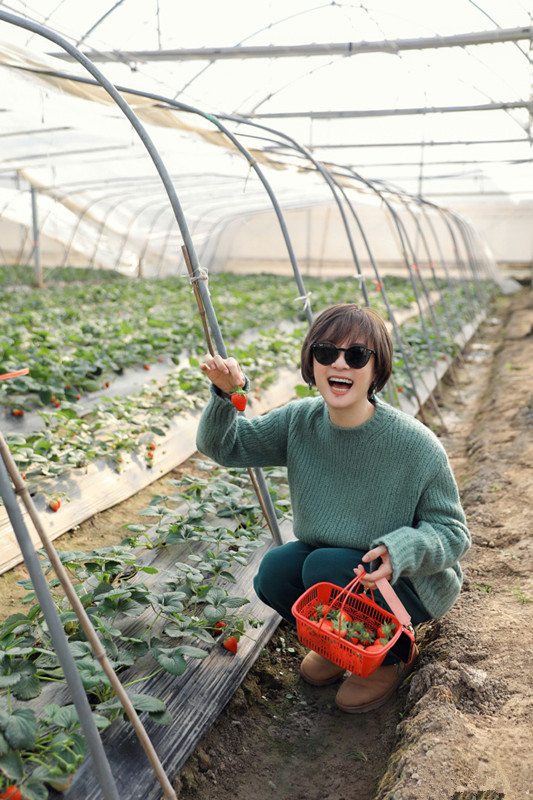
[[423, 98], [358, 108]]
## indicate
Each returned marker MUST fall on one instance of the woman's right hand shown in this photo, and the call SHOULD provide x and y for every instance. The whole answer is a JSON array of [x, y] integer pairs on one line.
[[225, 373]]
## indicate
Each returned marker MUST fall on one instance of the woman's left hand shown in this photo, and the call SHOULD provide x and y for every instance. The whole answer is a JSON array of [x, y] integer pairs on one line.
[[383, 571]]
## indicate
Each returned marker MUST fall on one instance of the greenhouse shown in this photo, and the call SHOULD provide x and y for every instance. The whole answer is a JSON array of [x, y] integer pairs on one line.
[[184, 184]]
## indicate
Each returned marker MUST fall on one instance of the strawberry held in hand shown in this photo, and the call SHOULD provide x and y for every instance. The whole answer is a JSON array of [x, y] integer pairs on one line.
[[238, 398]]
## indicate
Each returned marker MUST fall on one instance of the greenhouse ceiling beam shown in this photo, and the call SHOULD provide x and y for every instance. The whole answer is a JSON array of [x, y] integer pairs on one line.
[[421, 143], [392, 112], [393, 46], [456, 162], [35, 131], [47, 155]]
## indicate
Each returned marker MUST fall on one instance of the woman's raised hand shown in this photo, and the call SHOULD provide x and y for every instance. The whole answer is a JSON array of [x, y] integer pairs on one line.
[[225, 373]]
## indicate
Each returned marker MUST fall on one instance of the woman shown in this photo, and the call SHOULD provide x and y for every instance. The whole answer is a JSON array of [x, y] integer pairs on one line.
[[371, 488]]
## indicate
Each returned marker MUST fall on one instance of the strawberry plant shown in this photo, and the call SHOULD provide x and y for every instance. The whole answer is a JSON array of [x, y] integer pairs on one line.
[[183, 608], [39, 752]]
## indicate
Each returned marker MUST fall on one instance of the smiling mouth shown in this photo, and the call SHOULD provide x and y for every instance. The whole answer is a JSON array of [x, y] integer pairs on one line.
[[340, 384]]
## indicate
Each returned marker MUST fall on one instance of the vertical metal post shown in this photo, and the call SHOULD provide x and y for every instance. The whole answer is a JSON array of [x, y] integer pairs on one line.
[[36, 247]]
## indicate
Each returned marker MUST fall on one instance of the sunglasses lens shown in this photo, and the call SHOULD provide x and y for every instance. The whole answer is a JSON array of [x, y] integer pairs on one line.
[[325, 353], [357, 357]]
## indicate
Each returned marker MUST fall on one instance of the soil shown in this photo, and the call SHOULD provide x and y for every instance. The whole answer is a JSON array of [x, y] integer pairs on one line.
[[460, 724]]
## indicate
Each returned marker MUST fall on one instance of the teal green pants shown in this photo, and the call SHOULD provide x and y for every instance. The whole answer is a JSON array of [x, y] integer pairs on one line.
[[290, 569]]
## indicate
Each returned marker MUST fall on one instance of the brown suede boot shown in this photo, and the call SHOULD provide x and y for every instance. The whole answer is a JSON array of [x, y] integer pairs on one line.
[[357, 695], [319, 671]]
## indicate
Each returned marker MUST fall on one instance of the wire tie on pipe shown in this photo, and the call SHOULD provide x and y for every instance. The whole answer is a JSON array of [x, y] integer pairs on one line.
[[305, 298], [202, 275], [360, 277]]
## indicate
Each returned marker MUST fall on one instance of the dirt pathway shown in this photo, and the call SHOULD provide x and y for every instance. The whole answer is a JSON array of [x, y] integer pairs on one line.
[[461, 725]]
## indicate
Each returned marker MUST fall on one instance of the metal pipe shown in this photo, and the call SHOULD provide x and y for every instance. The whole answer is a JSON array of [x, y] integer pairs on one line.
[[59, 639], [393, 46], [36, 249], [392, 112], [83, 617]]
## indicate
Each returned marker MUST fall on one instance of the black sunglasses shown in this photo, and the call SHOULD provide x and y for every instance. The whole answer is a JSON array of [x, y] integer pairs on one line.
[[355, 356]]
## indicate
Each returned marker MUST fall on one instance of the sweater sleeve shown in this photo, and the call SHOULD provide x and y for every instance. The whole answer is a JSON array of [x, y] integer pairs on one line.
[[439, 536], [233, 440]]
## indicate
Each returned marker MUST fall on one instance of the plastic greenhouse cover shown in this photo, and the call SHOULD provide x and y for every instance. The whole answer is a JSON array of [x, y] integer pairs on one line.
[[66, 138]]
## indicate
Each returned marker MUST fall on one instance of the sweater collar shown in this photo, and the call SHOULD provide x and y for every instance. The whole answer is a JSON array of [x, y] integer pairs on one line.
[[377, 422]]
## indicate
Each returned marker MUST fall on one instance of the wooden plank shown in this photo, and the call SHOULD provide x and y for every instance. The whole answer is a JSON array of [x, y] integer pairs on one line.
[[194, 699]]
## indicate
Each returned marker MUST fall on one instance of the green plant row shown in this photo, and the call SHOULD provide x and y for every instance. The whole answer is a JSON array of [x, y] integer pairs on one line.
[[76, 338], [118, 426], [158, 613]]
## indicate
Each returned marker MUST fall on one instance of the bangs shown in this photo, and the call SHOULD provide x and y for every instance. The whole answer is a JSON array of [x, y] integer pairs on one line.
[[355, 328]]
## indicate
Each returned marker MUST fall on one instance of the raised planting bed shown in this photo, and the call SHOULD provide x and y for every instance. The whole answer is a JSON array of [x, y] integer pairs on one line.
[[162, 604], [90, 461]]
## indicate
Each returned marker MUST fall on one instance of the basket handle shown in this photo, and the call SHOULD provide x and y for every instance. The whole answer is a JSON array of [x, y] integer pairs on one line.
[[395, 604], [388, 594]]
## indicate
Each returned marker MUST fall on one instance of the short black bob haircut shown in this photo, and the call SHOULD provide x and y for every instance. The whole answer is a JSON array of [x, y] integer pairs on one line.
[[348, 322]]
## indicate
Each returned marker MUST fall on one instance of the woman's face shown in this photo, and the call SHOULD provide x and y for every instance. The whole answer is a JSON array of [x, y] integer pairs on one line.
[[345, 390]]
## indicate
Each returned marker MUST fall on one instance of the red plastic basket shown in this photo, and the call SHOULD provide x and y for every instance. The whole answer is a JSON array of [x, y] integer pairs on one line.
[[360, 607]]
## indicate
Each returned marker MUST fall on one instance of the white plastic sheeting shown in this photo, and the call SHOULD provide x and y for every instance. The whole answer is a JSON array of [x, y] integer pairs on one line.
[[100, 201]]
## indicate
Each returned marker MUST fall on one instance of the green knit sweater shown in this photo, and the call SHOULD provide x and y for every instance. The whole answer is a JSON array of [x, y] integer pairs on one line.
[[387, 481]]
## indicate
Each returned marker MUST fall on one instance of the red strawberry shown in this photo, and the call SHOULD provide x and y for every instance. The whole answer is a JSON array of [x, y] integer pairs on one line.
[[11, 793], [220, 625], [151, 446], [376, 647], [238, 398], [328, 626], [147, 366], [386, 630], [55, 505], [231, 644]]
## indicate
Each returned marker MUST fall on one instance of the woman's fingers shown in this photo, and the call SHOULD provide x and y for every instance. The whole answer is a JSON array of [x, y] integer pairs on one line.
[[223, 372], [384, 570]]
